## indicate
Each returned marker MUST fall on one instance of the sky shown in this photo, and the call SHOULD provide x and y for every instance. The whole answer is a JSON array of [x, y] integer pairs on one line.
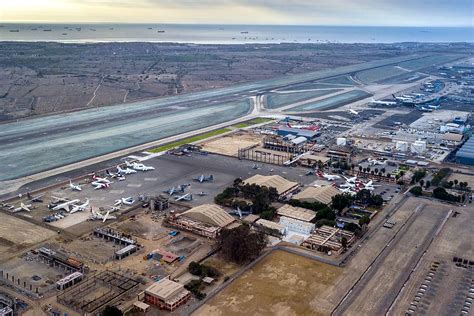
[[280, 12]]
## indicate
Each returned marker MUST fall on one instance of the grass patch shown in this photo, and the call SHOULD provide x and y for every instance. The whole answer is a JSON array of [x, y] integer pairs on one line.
[[256, 121], [189, 140]]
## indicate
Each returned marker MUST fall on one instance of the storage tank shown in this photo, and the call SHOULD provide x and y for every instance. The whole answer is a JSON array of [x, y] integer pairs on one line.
[[341, 141], [401, 146], [418, 147]]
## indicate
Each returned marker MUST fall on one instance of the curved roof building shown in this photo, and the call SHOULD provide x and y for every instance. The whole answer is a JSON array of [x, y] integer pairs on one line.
[[211, 214]]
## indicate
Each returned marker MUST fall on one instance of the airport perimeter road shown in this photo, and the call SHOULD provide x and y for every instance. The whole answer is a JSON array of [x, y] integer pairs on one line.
[[379, 285]]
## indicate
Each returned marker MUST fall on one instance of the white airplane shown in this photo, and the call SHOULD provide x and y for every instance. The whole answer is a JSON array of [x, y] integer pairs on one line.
[[65, 206], [127, 201], [330, 177], [351, 180], [292, 161], [375, 162], [402, 98], [369, 186], [125, 171], [102, 180], [186, 197], [354, 112], [23, 207], [380, 102], [100, 185], [79, 208], [99, 216], [348, 190], [202, 178], [138, 166], [74, 187]]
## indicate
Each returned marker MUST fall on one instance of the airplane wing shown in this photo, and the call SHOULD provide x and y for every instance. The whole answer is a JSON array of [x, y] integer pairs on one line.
[[106, 216]]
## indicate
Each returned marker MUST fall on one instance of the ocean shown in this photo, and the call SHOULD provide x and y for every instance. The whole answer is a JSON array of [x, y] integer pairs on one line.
[[229, 34]]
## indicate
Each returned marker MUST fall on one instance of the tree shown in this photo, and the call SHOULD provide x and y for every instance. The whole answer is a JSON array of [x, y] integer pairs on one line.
[[421, 182], [341, 201], [417, 191], [455, 182], [427, 184], [382, 170], [364, 220], [360, 168], [344, 242], [111, 311], [241, 244]]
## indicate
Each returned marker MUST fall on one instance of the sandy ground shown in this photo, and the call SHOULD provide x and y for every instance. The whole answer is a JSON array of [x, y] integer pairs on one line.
[[23, 234], [229, 145], [281, 284]]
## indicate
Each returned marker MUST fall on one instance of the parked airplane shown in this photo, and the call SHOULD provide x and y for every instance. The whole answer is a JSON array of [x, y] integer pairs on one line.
[[78, 208], [186, 197], [99, 216], [255, 166], [74, 187], [126, 171], [138, 166], [380, 102], [202, 193], [95, 178], [127, 201], [374, 162], [37, 198], [424, 109], [309, 173], [202, 178], [65, 205], [330, 177], [351, 180], [23, 207], [173, 190], [100, 185], [353, 112], [117, 175], [402, 98]]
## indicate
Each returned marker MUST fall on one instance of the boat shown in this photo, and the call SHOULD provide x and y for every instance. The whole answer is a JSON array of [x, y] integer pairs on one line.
[[47, 30], [15, 31], [64, 34], [161, 31], [244, 32], [150, 28]]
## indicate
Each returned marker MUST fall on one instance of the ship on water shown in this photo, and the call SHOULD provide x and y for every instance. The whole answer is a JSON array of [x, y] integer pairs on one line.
[[15, 31]]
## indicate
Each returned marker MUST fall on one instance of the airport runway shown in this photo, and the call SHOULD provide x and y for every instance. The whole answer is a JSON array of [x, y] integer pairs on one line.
[[39, 144]]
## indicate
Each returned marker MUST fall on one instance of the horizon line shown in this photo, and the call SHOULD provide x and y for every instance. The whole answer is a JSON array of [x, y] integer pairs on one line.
[[238, 24]]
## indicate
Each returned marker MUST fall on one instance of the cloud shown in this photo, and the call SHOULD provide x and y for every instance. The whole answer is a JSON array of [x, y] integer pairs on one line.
[[333, 12]]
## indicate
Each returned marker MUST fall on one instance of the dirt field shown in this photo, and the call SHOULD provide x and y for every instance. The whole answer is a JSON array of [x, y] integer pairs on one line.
[[230, 144], [462, 178], [281, 284], [17, 232]]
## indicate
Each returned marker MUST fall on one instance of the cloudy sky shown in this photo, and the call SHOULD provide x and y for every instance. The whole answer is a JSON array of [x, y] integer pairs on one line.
[[295, 12]]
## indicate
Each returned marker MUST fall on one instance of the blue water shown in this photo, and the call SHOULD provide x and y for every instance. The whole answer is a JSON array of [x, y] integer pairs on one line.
[[229, 34]]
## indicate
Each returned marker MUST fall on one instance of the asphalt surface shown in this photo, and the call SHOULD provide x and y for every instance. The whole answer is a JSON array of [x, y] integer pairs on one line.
[[39, 144]]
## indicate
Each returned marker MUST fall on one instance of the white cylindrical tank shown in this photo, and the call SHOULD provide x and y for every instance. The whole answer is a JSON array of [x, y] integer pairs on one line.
[[341, 141], [401, 146], [418, 147]]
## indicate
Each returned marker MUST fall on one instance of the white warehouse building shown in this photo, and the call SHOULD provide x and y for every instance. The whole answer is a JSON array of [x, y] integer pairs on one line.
[[297, 226]]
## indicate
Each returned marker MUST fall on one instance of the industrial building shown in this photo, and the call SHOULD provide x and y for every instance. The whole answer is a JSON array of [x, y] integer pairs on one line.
[[298, 213], [293, 145], [296, 226], [298, 132], [340, 154], [6, 311], [69, 280], [206, 220], [60, 260], [465, 155], [313, 160], [283, 186], [317, 194], [328, 238], [270, 226], [167, 294], [118, 238]]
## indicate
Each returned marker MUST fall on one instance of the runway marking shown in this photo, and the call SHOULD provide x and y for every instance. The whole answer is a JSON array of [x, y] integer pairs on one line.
[[150, 179], [117, 191], [134, 185]]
